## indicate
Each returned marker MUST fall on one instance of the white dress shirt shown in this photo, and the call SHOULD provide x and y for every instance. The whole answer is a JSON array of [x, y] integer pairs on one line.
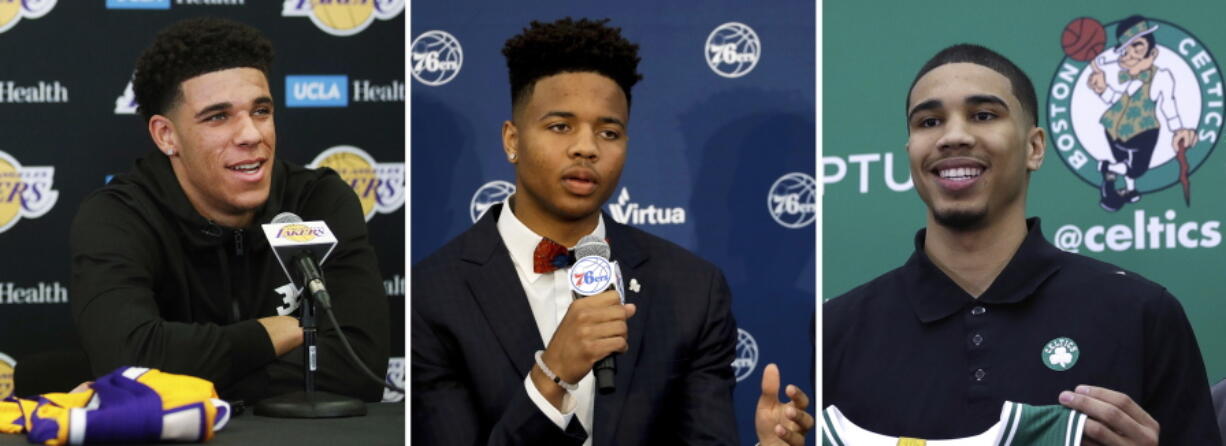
[[550, 297]]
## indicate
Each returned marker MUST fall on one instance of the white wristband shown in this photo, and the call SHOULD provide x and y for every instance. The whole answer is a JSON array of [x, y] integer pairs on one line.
[[549, 373]]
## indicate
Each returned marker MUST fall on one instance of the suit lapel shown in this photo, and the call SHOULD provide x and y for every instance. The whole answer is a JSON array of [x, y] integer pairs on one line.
[[496, 288], [630, 257]]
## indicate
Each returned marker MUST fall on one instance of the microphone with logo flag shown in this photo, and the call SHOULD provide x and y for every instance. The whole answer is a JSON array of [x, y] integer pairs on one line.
[[300, 247], [593, 274]]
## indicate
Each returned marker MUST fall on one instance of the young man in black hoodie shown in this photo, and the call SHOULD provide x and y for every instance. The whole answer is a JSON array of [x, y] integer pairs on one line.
[[169, 267]]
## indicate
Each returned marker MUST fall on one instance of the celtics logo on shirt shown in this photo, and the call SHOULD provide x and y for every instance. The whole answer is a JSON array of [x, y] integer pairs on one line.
[[1060, 354], [1135, 107]]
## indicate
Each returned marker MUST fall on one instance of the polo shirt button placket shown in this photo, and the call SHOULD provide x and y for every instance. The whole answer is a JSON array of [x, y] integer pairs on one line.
[[976, 323]]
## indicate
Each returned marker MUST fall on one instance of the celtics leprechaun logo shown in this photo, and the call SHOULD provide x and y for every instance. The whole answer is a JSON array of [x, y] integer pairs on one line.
[[1137, 113]]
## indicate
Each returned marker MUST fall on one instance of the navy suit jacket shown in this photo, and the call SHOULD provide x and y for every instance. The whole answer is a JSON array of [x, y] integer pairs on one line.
[[473, 338]]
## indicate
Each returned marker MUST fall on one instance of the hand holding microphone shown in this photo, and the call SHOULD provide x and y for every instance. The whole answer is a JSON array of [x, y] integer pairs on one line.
[[594, 327]]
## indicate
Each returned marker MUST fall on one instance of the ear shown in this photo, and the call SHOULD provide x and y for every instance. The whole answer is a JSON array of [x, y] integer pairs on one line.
[[1036, 148], [162, 130], [1154, 51], [510, 141]]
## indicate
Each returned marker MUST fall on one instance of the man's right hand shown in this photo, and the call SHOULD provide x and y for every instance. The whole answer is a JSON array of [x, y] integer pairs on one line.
[[1097, 80], [594, 327]]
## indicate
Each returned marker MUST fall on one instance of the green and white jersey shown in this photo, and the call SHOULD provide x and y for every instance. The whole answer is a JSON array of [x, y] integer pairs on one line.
[[1019, 425]]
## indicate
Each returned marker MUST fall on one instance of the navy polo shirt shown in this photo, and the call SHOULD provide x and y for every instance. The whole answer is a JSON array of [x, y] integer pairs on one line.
[[912, 354]]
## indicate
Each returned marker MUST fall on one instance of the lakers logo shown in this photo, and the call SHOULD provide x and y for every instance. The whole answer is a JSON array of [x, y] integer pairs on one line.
[[380, 186], [342, 17], [24, 191], [299, 233], [12, 11], [7, 364], [1135, 107]]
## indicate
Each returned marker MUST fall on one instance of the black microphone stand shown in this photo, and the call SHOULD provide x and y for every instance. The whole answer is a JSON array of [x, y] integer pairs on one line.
[[310, 403]]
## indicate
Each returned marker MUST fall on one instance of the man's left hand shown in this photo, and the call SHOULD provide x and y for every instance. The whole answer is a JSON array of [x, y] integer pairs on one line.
[[1183, 139], [779, 423], [1112, 418]]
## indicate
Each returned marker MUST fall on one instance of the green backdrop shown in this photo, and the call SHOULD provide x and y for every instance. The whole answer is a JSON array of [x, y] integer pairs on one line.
[[872, 50]]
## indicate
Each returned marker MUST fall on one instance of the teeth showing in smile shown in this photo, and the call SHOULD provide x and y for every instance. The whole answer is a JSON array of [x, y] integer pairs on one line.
[[245, 168], [961, 173]]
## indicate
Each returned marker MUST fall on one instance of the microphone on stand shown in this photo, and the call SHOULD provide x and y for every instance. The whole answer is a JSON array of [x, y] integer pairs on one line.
[[300, 247], [592, 274]]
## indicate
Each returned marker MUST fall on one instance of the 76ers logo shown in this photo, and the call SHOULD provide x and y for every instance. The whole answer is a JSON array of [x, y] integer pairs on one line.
[[1135, 107]]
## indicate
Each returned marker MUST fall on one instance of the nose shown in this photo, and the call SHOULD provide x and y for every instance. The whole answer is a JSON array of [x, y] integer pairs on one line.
[[247, 135], [585, 145], [957, 135]]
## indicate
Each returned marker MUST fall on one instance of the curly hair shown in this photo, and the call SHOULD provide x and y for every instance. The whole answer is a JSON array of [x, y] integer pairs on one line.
[[190, 48], [564, 46]]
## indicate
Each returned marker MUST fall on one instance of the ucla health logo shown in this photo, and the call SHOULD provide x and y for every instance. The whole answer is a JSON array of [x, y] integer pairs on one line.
[[732, 50], [343, 17], [436, 57], [137, 4], [792, 200], [316, 91], [1135, 107], [12, 11], [24, 191], [380, 186], [746, 355], [488, 195]]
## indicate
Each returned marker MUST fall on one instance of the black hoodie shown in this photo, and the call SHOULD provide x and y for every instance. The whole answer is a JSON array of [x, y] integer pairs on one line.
[[155, 284]]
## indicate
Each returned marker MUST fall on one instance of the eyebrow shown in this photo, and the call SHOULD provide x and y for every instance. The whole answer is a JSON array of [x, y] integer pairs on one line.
[[930, 104], [569, 115], [262, 100], [981, 99], [978, 99]]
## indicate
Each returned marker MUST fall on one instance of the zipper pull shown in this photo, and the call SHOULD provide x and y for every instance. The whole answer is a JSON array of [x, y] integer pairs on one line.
[[238, 242]]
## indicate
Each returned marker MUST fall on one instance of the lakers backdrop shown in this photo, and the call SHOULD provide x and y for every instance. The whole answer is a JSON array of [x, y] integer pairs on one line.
[[1155, 209], [720, 160], [68, 121]]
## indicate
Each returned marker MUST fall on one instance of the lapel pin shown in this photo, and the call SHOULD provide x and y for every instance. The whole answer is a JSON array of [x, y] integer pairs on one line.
[[634, 285]]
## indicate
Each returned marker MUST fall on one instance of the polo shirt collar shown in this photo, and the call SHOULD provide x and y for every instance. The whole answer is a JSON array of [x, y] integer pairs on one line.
[[521, 242], [934, 296]]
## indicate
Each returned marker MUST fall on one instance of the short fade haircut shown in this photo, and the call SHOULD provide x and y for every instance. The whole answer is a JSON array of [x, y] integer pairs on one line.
[[1023, 89], [567, 46], [190, 48]]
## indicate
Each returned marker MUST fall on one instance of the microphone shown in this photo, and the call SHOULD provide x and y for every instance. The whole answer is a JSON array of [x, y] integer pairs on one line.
[[301, 247], [297, 244], [593, 274]]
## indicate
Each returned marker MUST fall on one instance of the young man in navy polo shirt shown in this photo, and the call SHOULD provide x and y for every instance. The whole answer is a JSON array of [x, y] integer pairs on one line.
[[987, 311]]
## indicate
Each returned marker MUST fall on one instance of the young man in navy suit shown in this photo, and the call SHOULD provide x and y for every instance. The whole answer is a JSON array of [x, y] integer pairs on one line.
[[502, 353]]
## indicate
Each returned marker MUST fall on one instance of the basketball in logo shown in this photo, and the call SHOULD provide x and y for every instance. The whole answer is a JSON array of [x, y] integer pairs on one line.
[[436, 57], [379, 186], [7, 365], [746, 355], [487, 195], [733, 50], [792, 200], [342, 15], [1083, 39]]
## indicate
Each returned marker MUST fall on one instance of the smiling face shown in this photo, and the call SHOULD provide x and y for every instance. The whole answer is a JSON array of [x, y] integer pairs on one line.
[[971, 146], [568, 143], [224, 141], [1138, 56]]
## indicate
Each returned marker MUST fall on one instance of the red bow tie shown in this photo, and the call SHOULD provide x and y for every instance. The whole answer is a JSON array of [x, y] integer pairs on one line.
[[549, 256]]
